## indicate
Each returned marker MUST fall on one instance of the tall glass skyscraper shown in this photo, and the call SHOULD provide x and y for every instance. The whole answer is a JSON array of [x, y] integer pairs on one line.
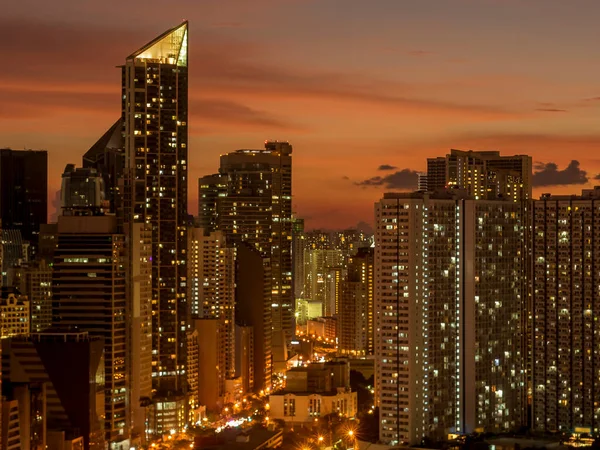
[[155, 115]]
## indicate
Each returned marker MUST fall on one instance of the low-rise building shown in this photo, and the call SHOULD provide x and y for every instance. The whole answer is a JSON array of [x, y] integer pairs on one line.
[[305, 407], [313, 391]]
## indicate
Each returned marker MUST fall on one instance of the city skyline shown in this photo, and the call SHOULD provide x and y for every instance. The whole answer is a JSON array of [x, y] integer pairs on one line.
[[350, 88]]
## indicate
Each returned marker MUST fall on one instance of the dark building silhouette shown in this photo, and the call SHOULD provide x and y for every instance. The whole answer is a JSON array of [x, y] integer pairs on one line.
[[71, 366], [24, 188], [82, 191], [107, 156], [89, 292], [253, 309]]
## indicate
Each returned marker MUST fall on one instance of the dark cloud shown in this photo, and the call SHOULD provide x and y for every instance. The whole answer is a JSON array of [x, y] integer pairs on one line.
[[386, 167], [593, 99], [554, 110], [597, 177], [548, 174], [403, 179]]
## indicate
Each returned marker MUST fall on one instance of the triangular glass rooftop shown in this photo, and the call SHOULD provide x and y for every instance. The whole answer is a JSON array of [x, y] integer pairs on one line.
[[170, 47]]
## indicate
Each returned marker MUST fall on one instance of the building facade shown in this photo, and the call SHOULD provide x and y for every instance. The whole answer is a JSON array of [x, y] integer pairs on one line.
[[258, 210], [35, 282], [484, 174], [89, 293], [155, 116], [566, 298], [448, 301], [356, 311], [14, 315], [212, 286]]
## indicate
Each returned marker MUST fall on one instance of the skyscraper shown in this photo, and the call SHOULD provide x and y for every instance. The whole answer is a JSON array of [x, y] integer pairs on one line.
[[448, 299], [24, 187], [155, 116], [356, 309], [566, 298], [212, 287], [319, 265], [89, 293], [257, 209], [484, 174]]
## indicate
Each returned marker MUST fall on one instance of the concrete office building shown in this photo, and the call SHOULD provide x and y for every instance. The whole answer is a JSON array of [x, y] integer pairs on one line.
[[89, 293], [448, 301], [566, 298]]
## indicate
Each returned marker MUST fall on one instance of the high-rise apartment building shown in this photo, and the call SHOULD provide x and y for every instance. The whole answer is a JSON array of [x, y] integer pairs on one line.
[[89, 293], [258, 210], [24, 187], [211, 281], [448, 301], [483, 174], [155, 116], [566, 298], [356, 309], [319, 268]]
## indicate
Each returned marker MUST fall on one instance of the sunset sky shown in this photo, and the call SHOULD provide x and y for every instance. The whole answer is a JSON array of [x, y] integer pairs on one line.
[[353, 85]]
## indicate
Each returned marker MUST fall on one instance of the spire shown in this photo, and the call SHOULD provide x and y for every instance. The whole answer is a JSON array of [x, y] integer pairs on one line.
[[170, 47]]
